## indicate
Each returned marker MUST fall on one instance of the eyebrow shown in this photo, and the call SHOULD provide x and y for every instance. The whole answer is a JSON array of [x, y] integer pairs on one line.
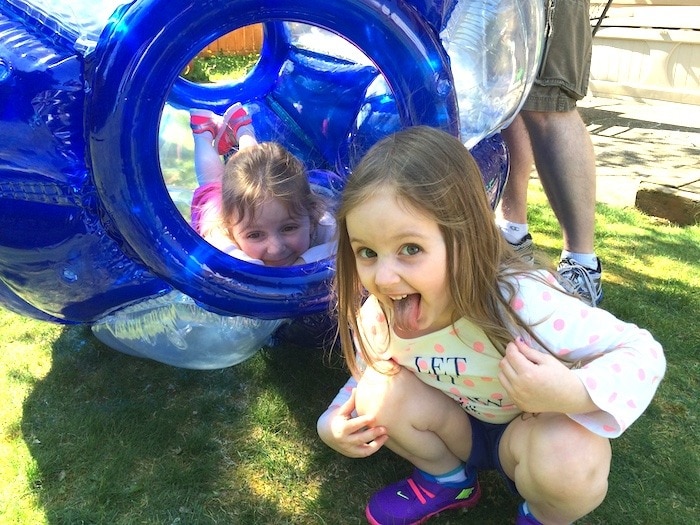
[[398, 237]]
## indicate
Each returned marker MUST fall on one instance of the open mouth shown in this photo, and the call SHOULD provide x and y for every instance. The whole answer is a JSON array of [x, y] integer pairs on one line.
[[406, 312]]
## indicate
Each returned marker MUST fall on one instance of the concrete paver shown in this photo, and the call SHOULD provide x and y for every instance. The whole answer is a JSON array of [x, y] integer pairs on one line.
[[646, 148]]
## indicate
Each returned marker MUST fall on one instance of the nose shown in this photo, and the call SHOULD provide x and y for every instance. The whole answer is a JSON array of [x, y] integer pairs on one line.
[[385, 273], [275, 244]]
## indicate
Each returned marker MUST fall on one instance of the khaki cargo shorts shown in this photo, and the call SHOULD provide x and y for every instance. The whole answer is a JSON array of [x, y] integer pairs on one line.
[[566, 62]]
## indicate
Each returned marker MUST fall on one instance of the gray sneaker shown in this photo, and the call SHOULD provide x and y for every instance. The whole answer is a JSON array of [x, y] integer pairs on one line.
[[524, 248], [584, 281]]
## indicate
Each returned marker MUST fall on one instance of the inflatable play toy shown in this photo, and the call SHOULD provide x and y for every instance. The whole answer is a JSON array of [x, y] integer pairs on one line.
[[93, 118]]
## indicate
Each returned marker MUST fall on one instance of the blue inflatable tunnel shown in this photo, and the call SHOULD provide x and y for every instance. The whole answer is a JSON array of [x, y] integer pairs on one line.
[[90, 227]]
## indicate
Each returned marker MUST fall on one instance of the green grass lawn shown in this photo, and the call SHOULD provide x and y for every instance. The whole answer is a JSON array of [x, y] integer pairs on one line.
[[217, 67], [92, 436]]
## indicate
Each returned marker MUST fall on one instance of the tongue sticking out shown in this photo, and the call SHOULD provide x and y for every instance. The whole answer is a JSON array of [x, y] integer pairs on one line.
[[406, 313]]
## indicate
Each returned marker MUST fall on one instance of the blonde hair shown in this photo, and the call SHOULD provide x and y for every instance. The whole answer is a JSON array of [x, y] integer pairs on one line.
[[432, 171], [261, 172]]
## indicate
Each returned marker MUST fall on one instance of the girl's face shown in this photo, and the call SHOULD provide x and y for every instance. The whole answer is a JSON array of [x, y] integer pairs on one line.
[[401, 258], [273, 235]]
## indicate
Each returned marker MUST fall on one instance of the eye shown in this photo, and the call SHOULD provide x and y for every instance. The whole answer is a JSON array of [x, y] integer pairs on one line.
[[289, 228], [365, 253], [253, 236], [410, 249]]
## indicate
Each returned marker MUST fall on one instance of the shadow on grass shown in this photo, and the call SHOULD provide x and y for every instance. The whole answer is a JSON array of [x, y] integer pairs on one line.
[[120, 440]]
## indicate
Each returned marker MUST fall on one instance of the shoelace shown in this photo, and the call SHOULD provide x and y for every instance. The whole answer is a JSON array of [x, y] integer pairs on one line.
[[418, 491], [581, 280]]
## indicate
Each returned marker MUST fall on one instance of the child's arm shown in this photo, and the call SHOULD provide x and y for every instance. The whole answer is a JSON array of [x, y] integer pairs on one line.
[[621, 377], [229, 247], [618, 364], [318, 253], [344, 431], [539, 382], [325, 245]]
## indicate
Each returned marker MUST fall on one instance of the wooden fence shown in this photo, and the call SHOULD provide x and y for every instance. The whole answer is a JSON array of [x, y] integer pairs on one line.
[[243, 41]]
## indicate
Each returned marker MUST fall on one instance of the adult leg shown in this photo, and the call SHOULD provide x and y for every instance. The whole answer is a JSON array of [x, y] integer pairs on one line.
[[511, 212], [565, 161], [559, 467], [513, 205]]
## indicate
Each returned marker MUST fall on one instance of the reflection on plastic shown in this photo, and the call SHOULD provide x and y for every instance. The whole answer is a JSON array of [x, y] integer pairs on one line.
[[89, 229], [494, 61], [172, 329]]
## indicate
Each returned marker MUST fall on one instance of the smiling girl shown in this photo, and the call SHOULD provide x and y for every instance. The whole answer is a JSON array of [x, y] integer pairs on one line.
[[259, 205], [464, 357]]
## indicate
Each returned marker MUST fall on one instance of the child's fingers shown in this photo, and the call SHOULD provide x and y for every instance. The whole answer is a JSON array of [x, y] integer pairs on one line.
[[356, 424], [370, 441], [514, 360], [521, 351], [347, 408], [375, 444]]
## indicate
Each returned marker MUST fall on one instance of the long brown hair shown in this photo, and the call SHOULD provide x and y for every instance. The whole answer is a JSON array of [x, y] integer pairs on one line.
[[433, 172]]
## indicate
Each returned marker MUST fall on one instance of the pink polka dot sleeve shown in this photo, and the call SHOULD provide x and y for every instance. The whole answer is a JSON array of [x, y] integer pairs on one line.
[[619, 363]]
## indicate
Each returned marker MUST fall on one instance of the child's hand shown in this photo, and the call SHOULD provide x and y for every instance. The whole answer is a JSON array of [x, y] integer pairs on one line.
[[539, 382], [355, 437]]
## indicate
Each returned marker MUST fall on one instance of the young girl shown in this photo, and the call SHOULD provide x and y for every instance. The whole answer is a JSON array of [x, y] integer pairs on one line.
[[465, 357], [259, 206]]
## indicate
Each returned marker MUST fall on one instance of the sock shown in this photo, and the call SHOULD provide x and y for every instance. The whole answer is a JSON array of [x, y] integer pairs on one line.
[[513, 231], [589, 260], [206, 135], [459, 477], [247, 129], [525, 511]]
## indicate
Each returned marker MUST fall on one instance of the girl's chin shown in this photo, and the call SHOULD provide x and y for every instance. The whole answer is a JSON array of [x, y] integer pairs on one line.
[[285, 262]]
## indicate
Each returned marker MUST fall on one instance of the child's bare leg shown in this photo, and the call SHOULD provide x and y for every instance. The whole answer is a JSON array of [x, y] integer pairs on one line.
[[559, 467], [208, 166], [425, 426]]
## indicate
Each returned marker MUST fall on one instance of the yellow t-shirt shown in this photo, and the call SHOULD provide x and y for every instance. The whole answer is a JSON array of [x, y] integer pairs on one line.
[[459, 360]]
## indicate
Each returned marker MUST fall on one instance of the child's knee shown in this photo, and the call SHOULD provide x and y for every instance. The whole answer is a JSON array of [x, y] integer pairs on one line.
[[572, 461], [379, 393]]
